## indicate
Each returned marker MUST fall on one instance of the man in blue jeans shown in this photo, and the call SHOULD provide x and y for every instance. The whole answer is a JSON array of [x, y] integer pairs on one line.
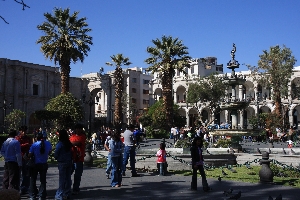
[[129, 151], [109, 165]]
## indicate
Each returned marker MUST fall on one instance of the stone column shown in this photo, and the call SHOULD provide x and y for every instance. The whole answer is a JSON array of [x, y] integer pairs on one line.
[[234, 119], [226, 115], [233, 96], [242, 119], [187, 118], [241, 93]]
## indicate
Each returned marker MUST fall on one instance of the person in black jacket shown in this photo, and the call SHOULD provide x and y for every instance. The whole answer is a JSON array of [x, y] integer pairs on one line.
[[197, 164]]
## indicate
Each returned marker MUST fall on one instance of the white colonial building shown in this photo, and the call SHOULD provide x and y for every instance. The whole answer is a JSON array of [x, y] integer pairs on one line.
[[29, 87]]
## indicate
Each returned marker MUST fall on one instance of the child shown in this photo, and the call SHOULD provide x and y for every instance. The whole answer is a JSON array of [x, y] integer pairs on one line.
[[290, 143], [161, 159], [197, 164]]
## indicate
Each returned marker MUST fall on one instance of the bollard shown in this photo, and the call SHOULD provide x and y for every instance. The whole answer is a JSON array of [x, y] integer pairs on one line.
[[265, 174], [88, 159]]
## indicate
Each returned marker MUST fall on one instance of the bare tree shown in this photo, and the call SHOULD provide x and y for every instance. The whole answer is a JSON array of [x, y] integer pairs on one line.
[[24, 5]]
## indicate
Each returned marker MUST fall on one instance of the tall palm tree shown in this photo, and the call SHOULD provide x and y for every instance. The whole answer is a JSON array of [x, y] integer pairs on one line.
[[65, 39], [118, 61], [167, 55]]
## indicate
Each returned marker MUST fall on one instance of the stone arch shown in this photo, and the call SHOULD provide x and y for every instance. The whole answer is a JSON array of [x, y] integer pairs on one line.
[[264, 109], [182, 112], [294, 89], [180, 94], [157, 93], [193, 116]]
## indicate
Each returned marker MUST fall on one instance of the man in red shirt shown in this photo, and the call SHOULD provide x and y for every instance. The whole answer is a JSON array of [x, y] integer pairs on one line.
[[26, 143], [78, 140]]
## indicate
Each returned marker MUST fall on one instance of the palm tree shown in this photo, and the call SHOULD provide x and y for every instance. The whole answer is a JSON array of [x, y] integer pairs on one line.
[[65, 39], [118, 61], [166, 56]]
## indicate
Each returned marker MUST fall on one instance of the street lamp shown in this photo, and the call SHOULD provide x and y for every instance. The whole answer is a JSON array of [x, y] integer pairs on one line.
[[5, 107], [89, 102]]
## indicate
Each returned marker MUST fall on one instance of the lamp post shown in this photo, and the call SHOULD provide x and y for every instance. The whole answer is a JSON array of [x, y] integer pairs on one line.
[[89, 102], [5, 107]]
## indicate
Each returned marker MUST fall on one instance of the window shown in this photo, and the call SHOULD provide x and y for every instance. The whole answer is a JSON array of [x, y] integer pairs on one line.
[[146, 82], [133, 100], [192, 69], [35, 89], [145, 101], [145, 91], [133, 90], [178, 73], [134, 80]]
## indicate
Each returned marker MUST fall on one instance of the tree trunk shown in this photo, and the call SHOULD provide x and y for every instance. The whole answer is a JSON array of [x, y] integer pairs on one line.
[[167, 91], [118, 98], [278, 105], [65, 76]]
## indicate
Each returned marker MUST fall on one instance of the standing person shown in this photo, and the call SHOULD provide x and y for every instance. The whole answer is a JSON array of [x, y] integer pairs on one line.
[[63, 155], [116, 149], [290, 133], [161, 158], [129, 151], [78, 141], [108, 165], [175, 134], [172, 133], [25, 142], [94, 137], [197, 164], [40, 150], [11, 151]]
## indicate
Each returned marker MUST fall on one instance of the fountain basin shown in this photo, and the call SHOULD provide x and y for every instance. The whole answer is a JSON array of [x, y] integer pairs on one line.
[[236, 132]]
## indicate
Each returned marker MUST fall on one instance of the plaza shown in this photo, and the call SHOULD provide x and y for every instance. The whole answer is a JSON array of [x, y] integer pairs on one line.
[[94, 184]]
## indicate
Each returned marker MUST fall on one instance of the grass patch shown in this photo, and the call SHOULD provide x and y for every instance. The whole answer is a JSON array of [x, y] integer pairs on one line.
[[100, 162], [287, 177]]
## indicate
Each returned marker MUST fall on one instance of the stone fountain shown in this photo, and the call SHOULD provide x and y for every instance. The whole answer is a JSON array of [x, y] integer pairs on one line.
[[234, 104]]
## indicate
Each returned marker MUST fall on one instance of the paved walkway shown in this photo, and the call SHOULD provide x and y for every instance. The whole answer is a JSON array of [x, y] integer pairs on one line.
[[94, 185], [149, 186]]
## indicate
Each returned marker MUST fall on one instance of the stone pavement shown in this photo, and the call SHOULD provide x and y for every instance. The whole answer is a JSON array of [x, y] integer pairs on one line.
[[94, 185]]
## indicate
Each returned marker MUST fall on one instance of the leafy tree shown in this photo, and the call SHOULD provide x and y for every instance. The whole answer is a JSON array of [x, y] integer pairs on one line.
[[46, 116], [118, 61], [156, 117], [274, 70], [208, 89], [69, 108], [65, 40], [14, 119], [167, 55]]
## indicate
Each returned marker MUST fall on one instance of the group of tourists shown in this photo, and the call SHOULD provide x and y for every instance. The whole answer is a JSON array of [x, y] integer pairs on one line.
[[119, 151], [29, 158], [190, 133]]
